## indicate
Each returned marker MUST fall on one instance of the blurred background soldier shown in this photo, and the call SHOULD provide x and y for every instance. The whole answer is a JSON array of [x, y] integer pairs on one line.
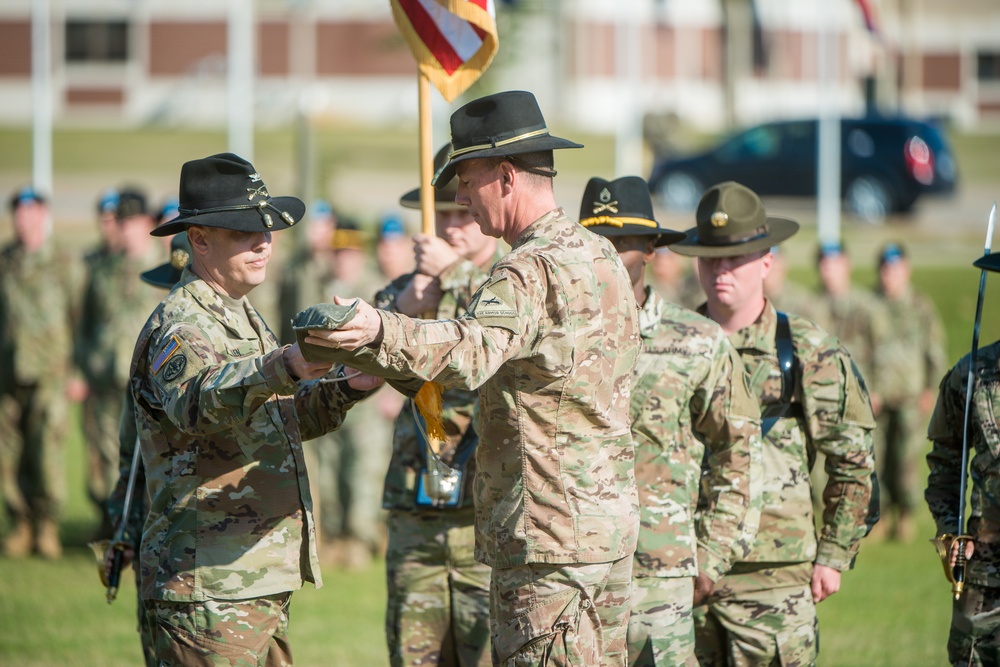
[[309, 269], [763, 612], [167, 212], [786, 295], [974, 640], [115, 306], [39, 304], [690, 404], [675, 278], [352, 461], [854, 315], [909, 363], [393, 249], [107, 227], [439, 596]]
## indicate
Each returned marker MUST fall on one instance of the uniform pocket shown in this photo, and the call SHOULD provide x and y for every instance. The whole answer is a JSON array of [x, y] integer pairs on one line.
[[550, 628]]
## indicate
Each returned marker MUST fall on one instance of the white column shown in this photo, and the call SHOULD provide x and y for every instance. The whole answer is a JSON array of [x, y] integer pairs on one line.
[[241, 61], [41, 96], [828, 81]]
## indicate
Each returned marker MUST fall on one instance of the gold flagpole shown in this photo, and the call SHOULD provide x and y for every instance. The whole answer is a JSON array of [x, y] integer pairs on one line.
[[426, 154]]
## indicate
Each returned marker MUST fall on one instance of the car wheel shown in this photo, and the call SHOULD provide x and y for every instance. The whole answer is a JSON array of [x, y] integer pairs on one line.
[[869, 199], [679, 191]]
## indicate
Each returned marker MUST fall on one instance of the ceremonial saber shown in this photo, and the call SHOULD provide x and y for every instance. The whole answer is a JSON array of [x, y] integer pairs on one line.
[[118, 543], [958, 571]]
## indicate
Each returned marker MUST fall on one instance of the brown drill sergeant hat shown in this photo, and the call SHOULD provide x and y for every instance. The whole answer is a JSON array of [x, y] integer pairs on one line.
[[500, 125], [444, 197], [225, 191], [731, 221], [623, 207]]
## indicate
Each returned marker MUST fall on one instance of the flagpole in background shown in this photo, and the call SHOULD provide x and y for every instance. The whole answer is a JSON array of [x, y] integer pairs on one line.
[[426, 155]]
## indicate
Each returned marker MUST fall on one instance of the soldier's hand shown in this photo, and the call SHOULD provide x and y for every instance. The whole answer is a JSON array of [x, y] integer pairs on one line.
[[970, 548], [362, 381], [825, 582], [703, 587], [421, 295], [298, 367], [925, 403], [76, 390], [365, 328], [128, 555], [433, 254]]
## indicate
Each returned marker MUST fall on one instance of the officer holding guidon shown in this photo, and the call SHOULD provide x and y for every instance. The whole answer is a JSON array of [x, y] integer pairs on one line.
[[763, 612], [221, 411], [439, 596], [690, 404], [550, 341]]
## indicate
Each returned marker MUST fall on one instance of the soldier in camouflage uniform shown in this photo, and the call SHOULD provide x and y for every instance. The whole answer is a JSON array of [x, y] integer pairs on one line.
[[550, 341], [39, 306], [439, 596], [763, 612], [786, 295], [164, 276], [221, 411], [690, 402], [115, 305], [974, 640], [909, 362]]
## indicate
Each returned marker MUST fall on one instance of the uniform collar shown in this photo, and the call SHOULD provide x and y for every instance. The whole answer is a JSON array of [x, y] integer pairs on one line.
[[231, 313]]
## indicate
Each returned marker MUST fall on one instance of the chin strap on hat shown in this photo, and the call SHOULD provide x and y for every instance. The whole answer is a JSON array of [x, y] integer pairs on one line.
[[259, 206], [541, 171]]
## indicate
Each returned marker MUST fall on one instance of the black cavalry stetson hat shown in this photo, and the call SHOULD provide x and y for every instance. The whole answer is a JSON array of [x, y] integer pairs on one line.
[[622, 207], [444, 198], [225, 190], [731, 221], [508, 123], [166, 275]]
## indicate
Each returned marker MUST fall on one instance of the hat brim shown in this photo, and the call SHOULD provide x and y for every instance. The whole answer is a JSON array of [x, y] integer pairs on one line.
[[444, 200], [989, 262], [164, 276], [244, 220], [664, 237], [779, 229], [533, 145]]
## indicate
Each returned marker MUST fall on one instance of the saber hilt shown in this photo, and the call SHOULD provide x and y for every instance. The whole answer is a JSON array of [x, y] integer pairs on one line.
[[118, 542]]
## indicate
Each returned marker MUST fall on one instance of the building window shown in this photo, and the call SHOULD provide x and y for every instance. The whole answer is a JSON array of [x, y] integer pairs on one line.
[[988, 66], [96, 41]]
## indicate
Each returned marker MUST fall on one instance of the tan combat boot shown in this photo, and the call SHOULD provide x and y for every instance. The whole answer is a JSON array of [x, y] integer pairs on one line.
[[18, 542], [47, 539]]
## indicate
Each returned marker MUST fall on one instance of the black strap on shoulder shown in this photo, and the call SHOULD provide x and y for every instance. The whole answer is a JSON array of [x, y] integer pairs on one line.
[[789, 367]]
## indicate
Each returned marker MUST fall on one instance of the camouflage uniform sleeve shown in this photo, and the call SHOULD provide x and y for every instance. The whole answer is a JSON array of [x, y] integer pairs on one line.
[[322, 404], [726, 417], [945, 457], [840, 424], [201, 395], [126, 453], [466, 352]]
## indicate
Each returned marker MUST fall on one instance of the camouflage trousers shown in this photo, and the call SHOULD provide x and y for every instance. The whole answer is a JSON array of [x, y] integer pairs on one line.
[[974, 640], [439, 596], [142, 625], [899, 442], [33, 423], [102, 411], [351, 466], [660, 626], [760, 614], [561, 615], [221, 633]]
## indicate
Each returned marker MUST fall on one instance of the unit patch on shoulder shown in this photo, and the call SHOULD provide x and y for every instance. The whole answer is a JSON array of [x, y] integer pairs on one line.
[[495, 306], [168, 351], [174, 367]]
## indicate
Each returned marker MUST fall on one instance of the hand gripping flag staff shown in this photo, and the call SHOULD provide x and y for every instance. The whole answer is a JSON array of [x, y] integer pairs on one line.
[[453, 41], [956, 573]]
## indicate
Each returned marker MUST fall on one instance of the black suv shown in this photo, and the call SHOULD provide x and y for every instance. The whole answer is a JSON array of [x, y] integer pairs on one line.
[[886, 163]]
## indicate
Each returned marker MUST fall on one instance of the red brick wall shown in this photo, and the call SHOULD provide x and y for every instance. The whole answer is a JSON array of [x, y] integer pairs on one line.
[[362, 48], [175, 48], [15, 48], [942, 71]]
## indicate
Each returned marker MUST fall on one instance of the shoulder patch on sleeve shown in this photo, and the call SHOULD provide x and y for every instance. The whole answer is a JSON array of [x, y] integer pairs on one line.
[[857, 404], [171, 348], [494, 306]]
